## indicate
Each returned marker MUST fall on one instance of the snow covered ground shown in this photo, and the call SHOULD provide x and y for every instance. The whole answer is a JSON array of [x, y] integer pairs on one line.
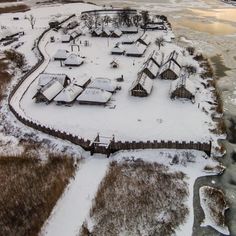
[[73, 207], [154, 117]]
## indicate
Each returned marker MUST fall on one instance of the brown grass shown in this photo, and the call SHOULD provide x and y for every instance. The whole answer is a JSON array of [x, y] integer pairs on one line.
[[29, 190], [216, 204], [14, 9], [137, 198], [5, 77]]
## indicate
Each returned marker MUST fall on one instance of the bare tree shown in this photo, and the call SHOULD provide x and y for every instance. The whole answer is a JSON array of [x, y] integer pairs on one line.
[[145, 17], [160, 42], [32, 20]]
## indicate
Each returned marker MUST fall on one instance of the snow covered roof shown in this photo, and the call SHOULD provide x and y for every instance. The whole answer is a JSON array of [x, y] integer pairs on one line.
[[144, 39], [131, 29], [73, 60], [106, 31], [65, 38], [136, 49], [103, 83], [118, 49], [127, 40], [151, 66], [157, 58], [97, 31], [172, 66], [173, 56], [51, 89], [185, 82], [45, 78], [94, 95], [117, 32], [69, 93], [81, 80], [76, 33], [144, 81], [61, 54]]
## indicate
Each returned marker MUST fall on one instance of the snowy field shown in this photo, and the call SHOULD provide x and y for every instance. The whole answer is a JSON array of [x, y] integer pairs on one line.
[[73, 208]]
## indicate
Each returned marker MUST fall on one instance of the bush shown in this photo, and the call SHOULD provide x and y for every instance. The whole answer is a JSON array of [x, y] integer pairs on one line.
[[15, 57]]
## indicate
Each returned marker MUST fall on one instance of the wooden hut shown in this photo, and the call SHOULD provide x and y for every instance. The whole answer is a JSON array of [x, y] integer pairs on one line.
[[68, 94], [83, 80], [104, 84], [105, 33], [66, 38], [183, 88], [94, 96], [118, 50], [45, 78], [142, 87], [116, 33], [61, 55], [48, 92], [96, 32], [136, 50], [129, 30], [75, 34], [173, 56], [73, 60], [144, 39], [170, 71], [150, 68]]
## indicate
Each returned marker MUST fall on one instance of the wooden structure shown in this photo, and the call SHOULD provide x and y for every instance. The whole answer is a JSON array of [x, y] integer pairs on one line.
[[144, 39], [94, 96], [48, 92], [96, 32], [136, 50], [118, 50], [183, 88], [105, 33], [114, 64], [170, 71], [116, 33], [142, 87]]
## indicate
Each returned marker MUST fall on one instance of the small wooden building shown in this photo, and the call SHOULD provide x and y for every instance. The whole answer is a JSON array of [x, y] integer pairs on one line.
[[170, 71], [61, 55], [114, 64], [48, 92], [96, 32], [104, 84], [118, 50], [75, 34], [183, 88], [144, 39], [105, 33], [136, 50], [45, 78], [129, 30], [72, 25], [150, 68], [117, 33], [142, 87], [94, 96], [73, 60], [82, 81], [68, 94], [66, 38]]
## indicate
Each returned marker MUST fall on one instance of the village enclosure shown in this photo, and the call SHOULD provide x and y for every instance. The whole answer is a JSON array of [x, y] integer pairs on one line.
[[153, 116]]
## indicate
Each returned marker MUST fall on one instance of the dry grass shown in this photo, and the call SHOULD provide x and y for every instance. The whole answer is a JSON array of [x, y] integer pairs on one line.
[[138, 198], [14, 9], [216, 204], [29, 191]]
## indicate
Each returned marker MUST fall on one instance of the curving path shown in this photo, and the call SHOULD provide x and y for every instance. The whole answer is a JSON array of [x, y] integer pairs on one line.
[[19, 92]]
